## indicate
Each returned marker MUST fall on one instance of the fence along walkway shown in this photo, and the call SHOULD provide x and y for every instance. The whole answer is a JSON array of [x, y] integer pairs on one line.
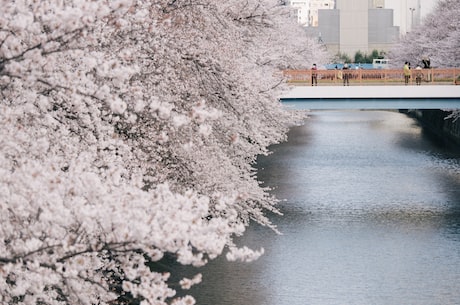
[[383, 76]]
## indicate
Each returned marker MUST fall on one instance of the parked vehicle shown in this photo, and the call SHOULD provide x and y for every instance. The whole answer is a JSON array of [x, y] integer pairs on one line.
[[380, 63]]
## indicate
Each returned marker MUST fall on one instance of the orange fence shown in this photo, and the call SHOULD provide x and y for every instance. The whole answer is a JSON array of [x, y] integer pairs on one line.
[[383, 76]]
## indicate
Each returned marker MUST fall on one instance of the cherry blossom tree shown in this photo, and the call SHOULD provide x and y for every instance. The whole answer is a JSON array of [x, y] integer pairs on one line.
[[438, 38], [129, 130]]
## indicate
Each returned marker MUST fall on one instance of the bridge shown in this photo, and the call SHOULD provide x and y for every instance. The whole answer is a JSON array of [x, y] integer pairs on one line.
[[373, 97]]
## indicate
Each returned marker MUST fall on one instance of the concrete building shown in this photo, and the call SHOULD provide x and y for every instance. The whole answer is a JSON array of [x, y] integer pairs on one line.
[[382, 33], [356, 25], [407, 13]]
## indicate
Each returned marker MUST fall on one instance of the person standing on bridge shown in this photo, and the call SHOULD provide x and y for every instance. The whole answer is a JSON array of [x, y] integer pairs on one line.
[[314, 75], [406, 73], [346, 75], [418, 75]]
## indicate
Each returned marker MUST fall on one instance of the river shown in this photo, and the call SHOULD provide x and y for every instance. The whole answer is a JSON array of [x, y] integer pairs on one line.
[[371, 208]]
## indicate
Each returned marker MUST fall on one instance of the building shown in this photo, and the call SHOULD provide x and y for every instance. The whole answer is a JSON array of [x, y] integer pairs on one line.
[[407, 13], [315, 6], [382, 33], [377, 4], [356, 25], [301, 11], [306, 11]]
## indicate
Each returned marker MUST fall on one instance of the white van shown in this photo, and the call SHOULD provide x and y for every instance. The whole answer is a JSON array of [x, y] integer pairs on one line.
[[380, 63]]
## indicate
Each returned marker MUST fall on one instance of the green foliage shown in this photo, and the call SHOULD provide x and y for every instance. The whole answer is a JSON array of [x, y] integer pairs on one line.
[[367, 58], [359, 57]]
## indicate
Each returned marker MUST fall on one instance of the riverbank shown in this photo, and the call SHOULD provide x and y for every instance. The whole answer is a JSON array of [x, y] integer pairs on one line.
[[436, 122]]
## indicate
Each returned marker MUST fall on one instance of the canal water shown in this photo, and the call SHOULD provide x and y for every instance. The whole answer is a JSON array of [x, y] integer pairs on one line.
[[371, 208]]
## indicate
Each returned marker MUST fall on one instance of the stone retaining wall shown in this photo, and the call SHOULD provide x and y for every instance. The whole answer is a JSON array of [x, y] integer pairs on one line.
[[435, 121]]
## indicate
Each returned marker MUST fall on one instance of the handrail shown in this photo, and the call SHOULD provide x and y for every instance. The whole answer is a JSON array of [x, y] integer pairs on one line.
[[383, 76]]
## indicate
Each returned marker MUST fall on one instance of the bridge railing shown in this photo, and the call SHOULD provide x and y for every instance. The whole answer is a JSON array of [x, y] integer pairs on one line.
[[381, 76]]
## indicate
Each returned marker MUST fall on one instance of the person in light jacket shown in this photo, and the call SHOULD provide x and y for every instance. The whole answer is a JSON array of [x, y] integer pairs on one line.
[[406, 73]]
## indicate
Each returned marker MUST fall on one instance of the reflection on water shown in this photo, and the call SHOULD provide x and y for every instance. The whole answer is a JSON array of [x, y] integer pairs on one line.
[[371, 216]]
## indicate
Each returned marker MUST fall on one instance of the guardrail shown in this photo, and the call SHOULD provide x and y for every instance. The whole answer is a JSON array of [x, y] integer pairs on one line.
[[383, 76]]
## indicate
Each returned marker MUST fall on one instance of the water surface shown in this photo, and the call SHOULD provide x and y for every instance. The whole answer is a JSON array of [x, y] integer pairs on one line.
[[371, 216]]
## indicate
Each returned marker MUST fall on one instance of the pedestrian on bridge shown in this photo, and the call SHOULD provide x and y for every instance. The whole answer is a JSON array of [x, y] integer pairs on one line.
[[418, 75], [406, 73], [346, 75], [314, 75]]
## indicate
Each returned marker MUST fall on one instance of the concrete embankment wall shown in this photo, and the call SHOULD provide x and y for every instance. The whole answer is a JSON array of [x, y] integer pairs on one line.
[[435, 122]]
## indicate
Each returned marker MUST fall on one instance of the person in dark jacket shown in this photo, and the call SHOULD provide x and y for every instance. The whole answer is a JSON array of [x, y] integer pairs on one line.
[[346, 75], [314, 75]]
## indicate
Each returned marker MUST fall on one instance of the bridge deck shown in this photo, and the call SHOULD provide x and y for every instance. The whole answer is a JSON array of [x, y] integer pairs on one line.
[[373, 97]]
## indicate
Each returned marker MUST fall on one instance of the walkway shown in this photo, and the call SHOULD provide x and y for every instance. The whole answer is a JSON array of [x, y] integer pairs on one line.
[[374, 97]]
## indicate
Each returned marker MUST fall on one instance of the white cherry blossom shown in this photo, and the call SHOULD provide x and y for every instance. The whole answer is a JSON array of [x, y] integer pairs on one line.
[[129, 129]]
